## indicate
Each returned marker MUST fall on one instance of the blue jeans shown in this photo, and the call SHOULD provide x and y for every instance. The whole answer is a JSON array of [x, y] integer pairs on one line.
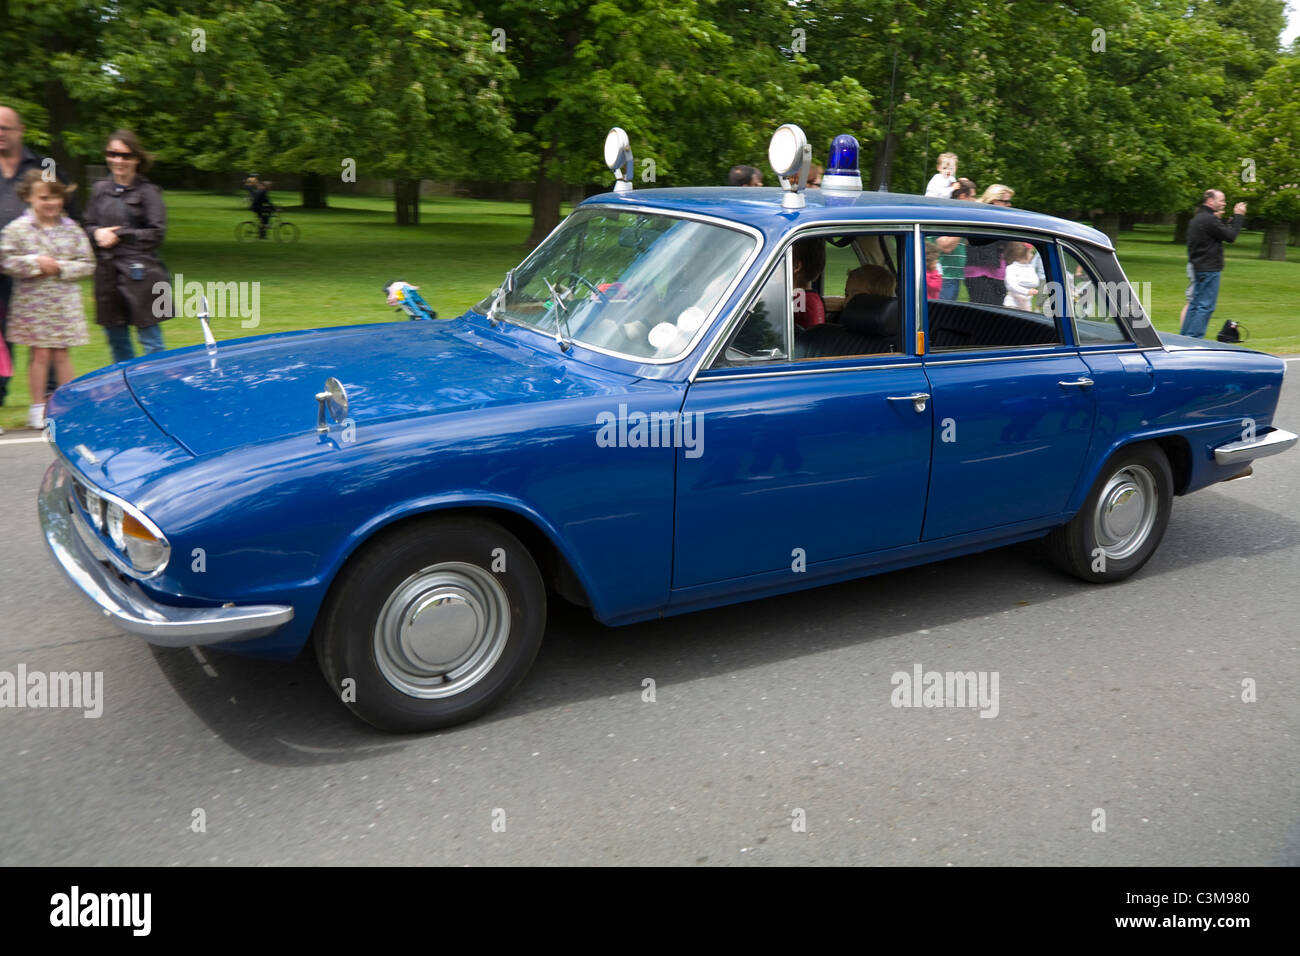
[[950, 289], [1205, 296], [119, 341]]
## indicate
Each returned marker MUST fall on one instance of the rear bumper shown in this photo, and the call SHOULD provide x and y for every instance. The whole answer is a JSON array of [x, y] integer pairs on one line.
[[1237, 452], [123, 601]]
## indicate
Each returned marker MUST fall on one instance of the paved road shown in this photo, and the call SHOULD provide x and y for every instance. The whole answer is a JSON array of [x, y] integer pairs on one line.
[[1125, 699]]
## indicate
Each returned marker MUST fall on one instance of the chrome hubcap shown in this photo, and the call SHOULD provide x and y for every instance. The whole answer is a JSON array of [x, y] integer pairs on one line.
[[442, 630], [1126, 512]]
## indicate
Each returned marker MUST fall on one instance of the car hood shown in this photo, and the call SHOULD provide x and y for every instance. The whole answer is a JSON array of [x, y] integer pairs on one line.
[[264, 388]]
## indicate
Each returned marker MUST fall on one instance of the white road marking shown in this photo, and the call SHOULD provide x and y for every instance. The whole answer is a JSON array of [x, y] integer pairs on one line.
[[207, 668], [22, 441]]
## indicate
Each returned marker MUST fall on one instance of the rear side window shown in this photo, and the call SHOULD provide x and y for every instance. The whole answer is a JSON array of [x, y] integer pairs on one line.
[[989, 291]]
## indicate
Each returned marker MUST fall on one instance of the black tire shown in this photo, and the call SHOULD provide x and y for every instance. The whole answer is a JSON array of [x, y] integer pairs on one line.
[[286, 232], [246, 231], [440, 571], [1094, 546]]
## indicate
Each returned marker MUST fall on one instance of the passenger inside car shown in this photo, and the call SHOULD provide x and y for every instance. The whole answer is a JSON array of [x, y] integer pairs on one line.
[[809, 257], [871, 279]]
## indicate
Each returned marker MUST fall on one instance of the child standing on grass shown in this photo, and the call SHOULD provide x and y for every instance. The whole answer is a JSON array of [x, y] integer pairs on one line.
[[46, 253]]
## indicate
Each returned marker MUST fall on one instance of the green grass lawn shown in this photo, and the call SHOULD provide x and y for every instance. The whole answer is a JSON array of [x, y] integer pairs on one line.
[[336, 272], [1259, 294]]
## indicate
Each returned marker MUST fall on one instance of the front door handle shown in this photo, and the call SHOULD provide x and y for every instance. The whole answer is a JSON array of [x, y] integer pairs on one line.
[[1081, 382], [918, 399]]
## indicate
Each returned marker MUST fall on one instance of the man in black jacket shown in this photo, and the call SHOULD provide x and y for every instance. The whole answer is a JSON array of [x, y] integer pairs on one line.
[[1205, 239]]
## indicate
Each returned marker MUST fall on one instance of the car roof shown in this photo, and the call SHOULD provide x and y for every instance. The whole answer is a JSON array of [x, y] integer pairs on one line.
[[761, 208]]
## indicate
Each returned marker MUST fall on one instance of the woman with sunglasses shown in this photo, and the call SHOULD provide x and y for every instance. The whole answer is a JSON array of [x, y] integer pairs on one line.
[[986, 264], [126, 219]]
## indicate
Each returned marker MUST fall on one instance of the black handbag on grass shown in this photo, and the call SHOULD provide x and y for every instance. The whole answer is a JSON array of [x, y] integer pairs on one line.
[[1233, 332]]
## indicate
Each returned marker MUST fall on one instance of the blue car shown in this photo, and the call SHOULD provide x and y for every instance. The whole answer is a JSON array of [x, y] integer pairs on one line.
[[683, 398]]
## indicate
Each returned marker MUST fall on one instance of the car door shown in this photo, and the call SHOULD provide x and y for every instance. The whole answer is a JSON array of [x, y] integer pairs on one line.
[[806, 459], [1014, 404]]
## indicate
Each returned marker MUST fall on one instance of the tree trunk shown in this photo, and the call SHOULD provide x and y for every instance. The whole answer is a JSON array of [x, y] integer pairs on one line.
[[1127, 221], [547, 193], [882, 163], [63, 115], [406, 198], [1295, 233], [313, 191], [1180, 228], [1108, 223], [1274, 244]]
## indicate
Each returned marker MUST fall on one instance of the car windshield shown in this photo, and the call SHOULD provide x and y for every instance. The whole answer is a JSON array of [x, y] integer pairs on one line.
[[636, 283]]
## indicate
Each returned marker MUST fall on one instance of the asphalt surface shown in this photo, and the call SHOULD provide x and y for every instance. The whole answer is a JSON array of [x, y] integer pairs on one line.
[[1125, 699]]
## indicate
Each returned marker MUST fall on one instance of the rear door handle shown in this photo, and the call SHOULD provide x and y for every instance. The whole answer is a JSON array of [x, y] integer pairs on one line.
[[1081, 382], [918, 399]]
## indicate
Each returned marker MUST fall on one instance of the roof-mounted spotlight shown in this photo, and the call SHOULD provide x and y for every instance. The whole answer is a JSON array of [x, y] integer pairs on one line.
[[790, 156], [842, 167], [618, 157]]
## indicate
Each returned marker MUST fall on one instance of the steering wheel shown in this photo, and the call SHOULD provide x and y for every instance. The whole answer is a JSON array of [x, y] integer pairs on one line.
[[590, 285]]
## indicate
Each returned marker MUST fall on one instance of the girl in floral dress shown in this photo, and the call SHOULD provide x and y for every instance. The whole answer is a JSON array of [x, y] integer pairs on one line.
[[46, 253]]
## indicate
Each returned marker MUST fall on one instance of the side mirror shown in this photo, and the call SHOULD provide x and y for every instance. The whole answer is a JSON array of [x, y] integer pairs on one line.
[[333, 399]]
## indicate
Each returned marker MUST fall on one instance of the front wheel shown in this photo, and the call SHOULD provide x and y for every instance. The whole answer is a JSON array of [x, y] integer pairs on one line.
[[1122, 521], [434, 623], [286, 232]]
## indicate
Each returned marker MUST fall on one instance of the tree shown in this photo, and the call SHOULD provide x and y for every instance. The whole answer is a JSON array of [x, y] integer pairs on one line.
[[45, 46], [306, 86], [698, 87], [1269, 120], [933, 70], [1135, 128]]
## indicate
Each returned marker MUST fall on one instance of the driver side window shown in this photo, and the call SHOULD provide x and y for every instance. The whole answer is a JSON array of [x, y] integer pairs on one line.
[[763, 336]]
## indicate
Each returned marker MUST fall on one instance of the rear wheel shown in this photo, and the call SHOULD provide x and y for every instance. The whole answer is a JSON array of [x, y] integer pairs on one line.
[[433, 623], [1122, 521], [246, 231]]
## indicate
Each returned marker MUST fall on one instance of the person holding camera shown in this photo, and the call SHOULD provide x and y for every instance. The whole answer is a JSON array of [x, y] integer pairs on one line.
[[126, 220], [1205, 238]]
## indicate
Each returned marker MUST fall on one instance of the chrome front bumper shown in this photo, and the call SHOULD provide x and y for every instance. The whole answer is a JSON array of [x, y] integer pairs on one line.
[[122, 600], [1275, 442]]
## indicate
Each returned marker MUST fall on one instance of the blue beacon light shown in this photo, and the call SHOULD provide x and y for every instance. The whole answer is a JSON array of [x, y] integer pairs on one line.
[[842, 173]]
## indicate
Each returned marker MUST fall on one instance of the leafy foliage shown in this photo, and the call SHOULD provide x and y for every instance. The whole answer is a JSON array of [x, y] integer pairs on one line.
[[1079, 105]]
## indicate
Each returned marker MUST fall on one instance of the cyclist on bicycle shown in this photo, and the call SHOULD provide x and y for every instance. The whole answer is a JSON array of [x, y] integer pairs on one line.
[[262, 206]]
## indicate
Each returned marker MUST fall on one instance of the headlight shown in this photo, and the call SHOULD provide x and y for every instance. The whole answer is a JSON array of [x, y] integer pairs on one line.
[[139, 547], [146, 550]]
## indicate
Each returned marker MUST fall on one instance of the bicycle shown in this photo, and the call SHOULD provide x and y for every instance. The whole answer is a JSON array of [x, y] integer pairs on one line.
[[280, 229]]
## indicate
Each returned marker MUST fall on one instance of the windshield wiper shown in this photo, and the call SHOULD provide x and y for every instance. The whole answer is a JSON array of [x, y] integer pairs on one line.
[[562, 338], [507, 286]]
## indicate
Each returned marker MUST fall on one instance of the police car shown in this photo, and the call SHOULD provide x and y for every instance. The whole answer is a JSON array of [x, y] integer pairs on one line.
[[679, 400]]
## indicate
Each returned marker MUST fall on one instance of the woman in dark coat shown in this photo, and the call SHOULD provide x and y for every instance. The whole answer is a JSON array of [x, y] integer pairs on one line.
[[127, 220], [986, 265]]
